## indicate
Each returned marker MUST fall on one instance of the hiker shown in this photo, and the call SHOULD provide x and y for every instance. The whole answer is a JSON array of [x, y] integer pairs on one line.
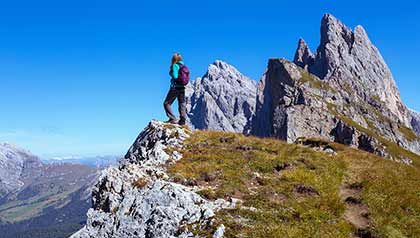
[[180, 76]]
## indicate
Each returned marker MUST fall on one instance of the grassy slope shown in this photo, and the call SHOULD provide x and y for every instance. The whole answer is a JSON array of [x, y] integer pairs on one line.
[[20, 210], [294, 191]]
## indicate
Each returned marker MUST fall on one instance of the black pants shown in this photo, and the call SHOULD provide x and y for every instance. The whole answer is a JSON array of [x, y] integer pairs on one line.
[[176, 93]]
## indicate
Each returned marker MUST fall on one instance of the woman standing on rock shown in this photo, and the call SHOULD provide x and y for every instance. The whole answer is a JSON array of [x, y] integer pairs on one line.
[[180, 76]]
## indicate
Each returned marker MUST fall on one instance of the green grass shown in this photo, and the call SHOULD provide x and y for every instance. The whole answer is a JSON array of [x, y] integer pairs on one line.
[[391, 190], [20, 210], [265, 173], [234, 166]]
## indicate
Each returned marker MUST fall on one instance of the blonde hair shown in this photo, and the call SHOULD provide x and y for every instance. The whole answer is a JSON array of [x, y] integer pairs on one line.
[[176, 58]]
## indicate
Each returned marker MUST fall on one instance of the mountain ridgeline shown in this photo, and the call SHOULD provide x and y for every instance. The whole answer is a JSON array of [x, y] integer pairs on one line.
[[344, 93]]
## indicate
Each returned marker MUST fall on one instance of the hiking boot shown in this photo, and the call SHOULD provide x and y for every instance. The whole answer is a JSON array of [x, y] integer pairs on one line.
[[170, 121]]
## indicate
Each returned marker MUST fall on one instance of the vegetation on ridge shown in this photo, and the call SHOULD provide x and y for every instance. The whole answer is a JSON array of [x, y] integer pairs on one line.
[[392, 148], [314, 82], [290, 190]]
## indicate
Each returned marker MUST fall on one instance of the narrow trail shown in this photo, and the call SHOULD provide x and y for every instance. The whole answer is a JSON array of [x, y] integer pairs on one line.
[[356, 213]]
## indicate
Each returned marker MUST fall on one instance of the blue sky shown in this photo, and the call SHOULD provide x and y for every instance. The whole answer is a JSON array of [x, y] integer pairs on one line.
[[84, 77]]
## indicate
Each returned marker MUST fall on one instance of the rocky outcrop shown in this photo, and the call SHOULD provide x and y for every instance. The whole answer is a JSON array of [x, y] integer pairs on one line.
[[415, 121], [138, 199], [223, 99]]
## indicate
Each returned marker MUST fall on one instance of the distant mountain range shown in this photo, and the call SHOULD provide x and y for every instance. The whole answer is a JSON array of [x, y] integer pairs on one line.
[[100, 161], [39, 199]]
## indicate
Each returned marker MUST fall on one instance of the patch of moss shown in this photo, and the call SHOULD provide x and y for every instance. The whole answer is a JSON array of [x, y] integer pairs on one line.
[[376, 98]]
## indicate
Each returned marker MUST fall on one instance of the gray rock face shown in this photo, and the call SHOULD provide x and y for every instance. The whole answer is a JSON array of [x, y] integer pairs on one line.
[[292, 104], [14, 163], [137, 199], [303, 55], [344, 93], [349, 59], [223, 99], [415, 121]]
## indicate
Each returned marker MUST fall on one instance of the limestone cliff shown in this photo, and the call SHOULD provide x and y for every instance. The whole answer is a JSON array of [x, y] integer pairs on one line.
[[223, 99]]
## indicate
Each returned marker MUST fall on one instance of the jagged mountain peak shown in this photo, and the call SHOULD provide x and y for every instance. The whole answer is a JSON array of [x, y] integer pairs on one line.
[[348, 59], [303, 56], [223, 99], [332, 25], [221, 64], [361, 31], [222, 70], [335, 37]]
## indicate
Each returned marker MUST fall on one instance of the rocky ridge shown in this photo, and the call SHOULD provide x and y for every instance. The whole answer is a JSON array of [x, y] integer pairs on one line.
[[223, 99], [138, 199]]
